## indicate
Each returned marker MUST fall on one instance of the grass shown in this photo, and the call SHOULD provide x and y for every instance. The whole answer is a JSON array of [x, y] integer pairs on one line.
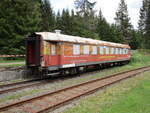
[[11, 65], [130, 96], [11, 61]]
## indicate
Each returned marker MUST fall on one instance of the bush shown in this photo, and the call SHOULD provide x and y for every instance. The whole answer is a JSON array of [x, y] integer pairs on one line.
[[140, 57]]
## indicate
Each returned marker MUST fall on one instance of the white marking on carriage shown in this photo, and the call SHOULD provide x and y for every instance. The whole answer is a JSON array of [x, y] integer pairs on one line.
[[68, 65]]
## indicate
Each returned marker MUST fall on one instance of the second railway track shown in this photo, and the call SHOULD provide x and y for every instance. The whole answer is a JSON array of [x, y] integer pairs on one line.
[[12, 87], [51, 100], [21, 85]]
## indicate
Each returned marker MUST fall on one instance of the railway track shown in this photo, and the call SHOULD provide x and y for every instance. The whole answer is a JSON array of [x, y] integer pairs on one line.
[[12, 87], [20, 85], [51, 100]]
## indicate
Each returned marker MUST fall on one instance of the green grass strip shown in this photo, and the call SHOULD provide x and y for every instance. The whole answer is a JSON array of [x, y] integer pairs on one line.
[[130, 96]]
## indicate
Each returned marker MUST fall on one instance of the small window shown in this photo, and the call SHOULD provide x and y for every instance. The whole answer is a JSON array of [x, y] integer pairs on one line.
[[53, 49], [94, 50], [119, 51], [112, 50], [107, 50], [101, 50], [76, 49], [127, 51], [85, 49], [123, 51], [116, 50]]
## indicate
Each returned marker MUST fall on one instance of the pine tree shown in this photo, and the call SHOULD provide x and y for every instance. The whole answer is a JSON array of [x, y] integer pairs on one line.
[[58, 21], [73, 23], [136, 40], [85, 9], [18, 18], [102, 27], [144, 24], [66, 22], [114, 34], [106, 31], [147, 30], [48, 16], [123, 22], [143, 15], [78, 27]]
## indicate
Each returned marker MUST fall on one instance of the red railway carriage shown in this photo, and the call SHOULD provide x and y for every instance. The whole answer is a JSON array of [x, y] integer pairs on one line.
[[55, 52]]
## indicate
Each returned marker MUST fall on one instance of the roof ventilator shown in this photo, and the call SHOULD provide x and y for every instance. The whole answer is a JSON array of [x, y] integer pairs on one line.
[[58, 31]]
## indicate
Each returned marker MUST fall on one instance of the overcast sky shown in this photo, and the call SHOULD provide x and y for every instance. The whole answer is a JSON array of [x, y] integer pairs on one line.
[[108, 8]]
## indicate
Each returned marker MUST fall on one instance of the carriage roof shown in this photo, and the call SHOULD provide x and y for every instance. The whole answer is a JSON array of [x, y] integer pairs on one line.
[[49, 36]]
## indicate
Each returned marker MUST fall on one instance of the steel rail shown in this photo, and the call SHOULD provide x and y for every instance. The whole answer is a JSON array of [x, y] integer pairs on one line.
[[75, 91], [26, 84], [11, 87], [17, 83]]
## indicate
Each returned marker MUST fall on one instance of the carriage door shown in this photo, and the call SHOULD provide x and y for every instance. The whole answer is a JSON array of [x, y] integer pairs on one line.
[[54, 59]]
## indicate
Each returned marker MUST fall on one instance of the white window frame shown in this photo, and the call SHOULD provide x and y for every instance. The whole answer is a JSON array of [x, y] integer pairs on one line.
[[53, 49], [86, 50], [127, 51], [107, 50], [112, 50], [123, 51], [119, 51], [116, 51], [101, 50], [94, 50], [76, 49]]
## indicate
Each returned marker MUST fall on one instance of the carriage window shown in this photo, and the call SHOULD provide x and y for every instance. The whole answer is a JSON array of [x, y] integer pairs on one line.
[[94, 50], [53, 49], [107, 50], [112, 50], [127, 51], [119, 50], [76, 49], [101, 50], [123, 51], [85, 49], [116, 50]]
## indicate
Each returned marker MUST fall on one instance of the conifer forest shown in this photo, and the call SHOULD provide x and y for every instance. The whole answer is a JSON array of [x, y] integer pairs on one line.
[[20, 18]]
